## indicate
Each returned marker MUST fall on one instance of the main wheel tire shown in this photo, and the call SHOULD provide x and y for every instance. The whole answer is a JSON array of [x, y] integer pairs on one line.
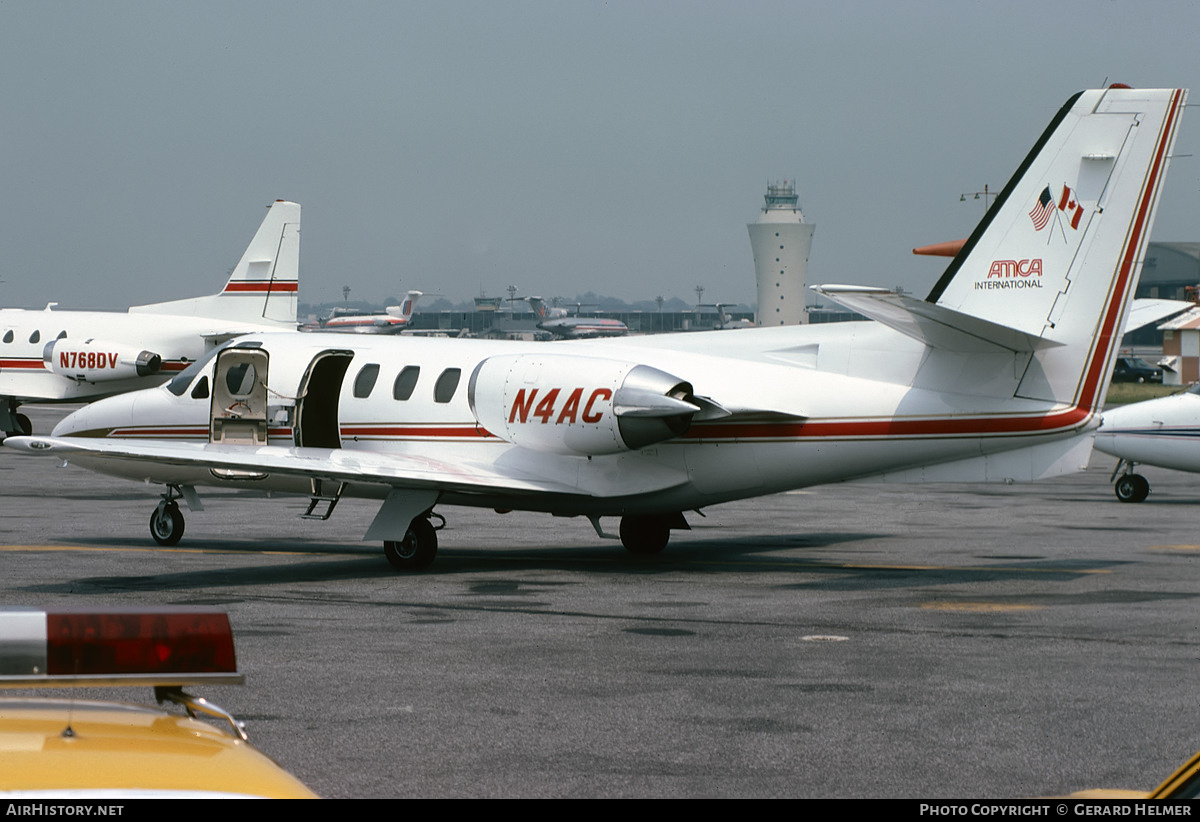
[[416, 551], [166, 524], [1131, 488], [24, 426], [647, 534]]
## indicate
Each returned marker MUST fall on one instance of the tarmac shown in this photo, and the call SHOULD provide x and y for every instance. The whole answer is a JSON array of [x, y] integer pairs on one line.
[[856, 640]]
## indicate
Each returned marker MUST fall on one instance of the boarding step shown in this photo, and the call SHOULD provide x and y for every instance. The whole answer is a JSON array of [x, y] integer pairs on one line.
[[322, 503]]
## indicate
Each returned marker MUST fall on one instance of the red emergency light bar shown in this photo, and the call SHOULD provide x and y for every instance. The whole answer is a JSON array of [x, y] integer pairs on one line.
[[164, 646]]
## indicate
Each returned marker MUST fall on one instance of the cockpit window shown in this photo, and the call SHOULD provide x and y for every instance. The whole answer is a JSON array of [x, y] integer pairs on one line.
[[180, 382], [446, 385], [200, 392]]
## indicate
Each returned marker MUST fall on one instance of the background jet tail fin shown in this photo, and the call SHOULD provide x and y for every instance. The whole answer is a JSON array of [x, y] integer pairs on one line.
[[407, 306], [1058, 255], [264, 286]]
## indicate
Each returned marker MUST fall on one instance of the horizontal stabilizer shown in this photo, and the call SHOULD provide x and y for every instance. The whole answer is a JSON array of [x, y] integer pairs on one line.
[[1146, 311], [933, 324]]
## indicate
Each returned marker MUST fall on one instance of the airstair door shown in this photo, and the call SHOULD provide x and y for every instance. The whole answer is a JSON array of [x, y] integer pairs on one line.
[[239, 397]]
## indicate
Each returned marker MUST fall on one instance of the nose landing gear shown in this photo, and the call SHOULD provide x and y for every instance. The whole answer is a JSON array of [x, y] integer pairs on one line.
[[1129, 487]]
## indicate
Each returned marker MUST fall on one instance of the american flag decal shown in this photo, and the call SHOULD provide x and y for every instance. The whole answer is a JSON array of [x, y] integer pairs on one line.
[[1043, 209]]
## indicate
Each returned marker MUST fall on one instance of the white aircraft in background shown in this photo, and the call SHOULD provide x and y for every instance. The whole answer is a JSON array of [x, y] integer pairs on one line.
[[558, 323], [999, 374], [76, 356], [394, 320], [1164, 432]]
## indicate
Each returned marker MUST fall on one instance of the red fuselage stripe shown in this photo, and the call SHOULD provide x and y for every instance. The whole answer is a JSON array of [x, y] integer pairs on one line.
[[246, 286]]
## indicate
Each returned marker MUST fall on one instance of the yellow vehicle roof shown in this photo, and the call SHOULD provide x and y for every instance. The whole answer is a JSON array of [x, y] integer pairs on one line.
[[121, 750]]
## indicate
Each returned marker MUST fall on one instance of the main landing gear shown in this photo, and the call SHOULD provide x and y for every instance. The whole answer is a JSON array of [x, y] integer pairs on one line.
[[418, 548], [649, 533], [166, 523], [645, 534], [15, 425], [1129, 487]]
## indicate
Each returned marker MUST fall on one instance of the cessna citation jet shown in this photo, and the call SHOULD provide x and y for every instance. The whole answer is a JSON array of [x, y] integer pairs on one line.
[[998, 374], [75, 356]]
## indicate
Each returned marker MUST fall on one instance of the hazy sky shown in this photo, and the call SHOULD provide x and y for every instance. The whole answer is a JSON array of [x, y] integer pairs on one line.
[[564, 147]]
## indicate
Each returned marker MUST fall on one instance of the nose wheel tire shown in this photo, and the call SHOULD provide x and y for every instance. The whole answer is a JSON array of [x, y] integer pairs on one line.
[[1131, 488], [417, 550], [166, 524]]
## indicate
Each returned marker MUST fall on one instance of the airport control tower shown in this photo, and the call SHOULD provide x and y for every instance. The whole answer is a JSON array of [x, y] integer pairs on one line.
[[780, 241]]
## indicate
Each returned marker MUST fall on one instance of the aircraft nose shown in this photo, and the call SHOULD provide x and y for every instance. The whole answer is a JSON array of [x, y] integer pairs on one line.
[[72, 423], [98, 419]]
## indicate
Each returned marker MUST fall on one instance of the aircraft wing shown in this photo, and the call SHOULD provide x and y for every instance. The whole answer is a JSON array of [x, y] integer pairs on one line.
[[1146, 310], [932, 324], [343, 465]]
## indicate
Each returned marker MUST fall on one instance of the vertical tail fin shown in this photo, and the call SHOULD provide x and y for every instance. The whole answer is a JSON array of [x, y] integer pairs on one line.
[[264, 286], [407, 306], [1058, 255]]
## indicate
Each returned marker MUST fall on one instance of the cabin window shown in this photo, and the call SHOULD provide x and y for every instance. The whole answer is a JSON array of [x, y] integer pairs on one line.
[[8, 336], [239, 379], [406, 381], [62, 335], [200, 392], [365, 381], [36, 336], [446, 385]]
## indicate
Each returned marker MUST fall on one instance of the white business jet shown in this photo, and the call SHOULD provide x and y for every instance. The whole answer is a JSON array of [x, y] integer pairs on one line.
[[1164, 432], [999, 374], [76, 356]]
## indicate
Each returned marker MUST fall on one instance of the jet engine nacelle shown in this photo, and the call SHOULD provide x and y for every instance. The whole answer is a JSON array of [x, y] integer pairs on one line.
[[94, 360], [568, 404]]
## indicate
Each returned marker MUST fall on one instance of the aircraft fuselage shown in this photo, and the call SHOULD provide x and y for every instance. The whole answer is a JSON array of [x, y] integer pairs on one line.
[[785, 422]]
